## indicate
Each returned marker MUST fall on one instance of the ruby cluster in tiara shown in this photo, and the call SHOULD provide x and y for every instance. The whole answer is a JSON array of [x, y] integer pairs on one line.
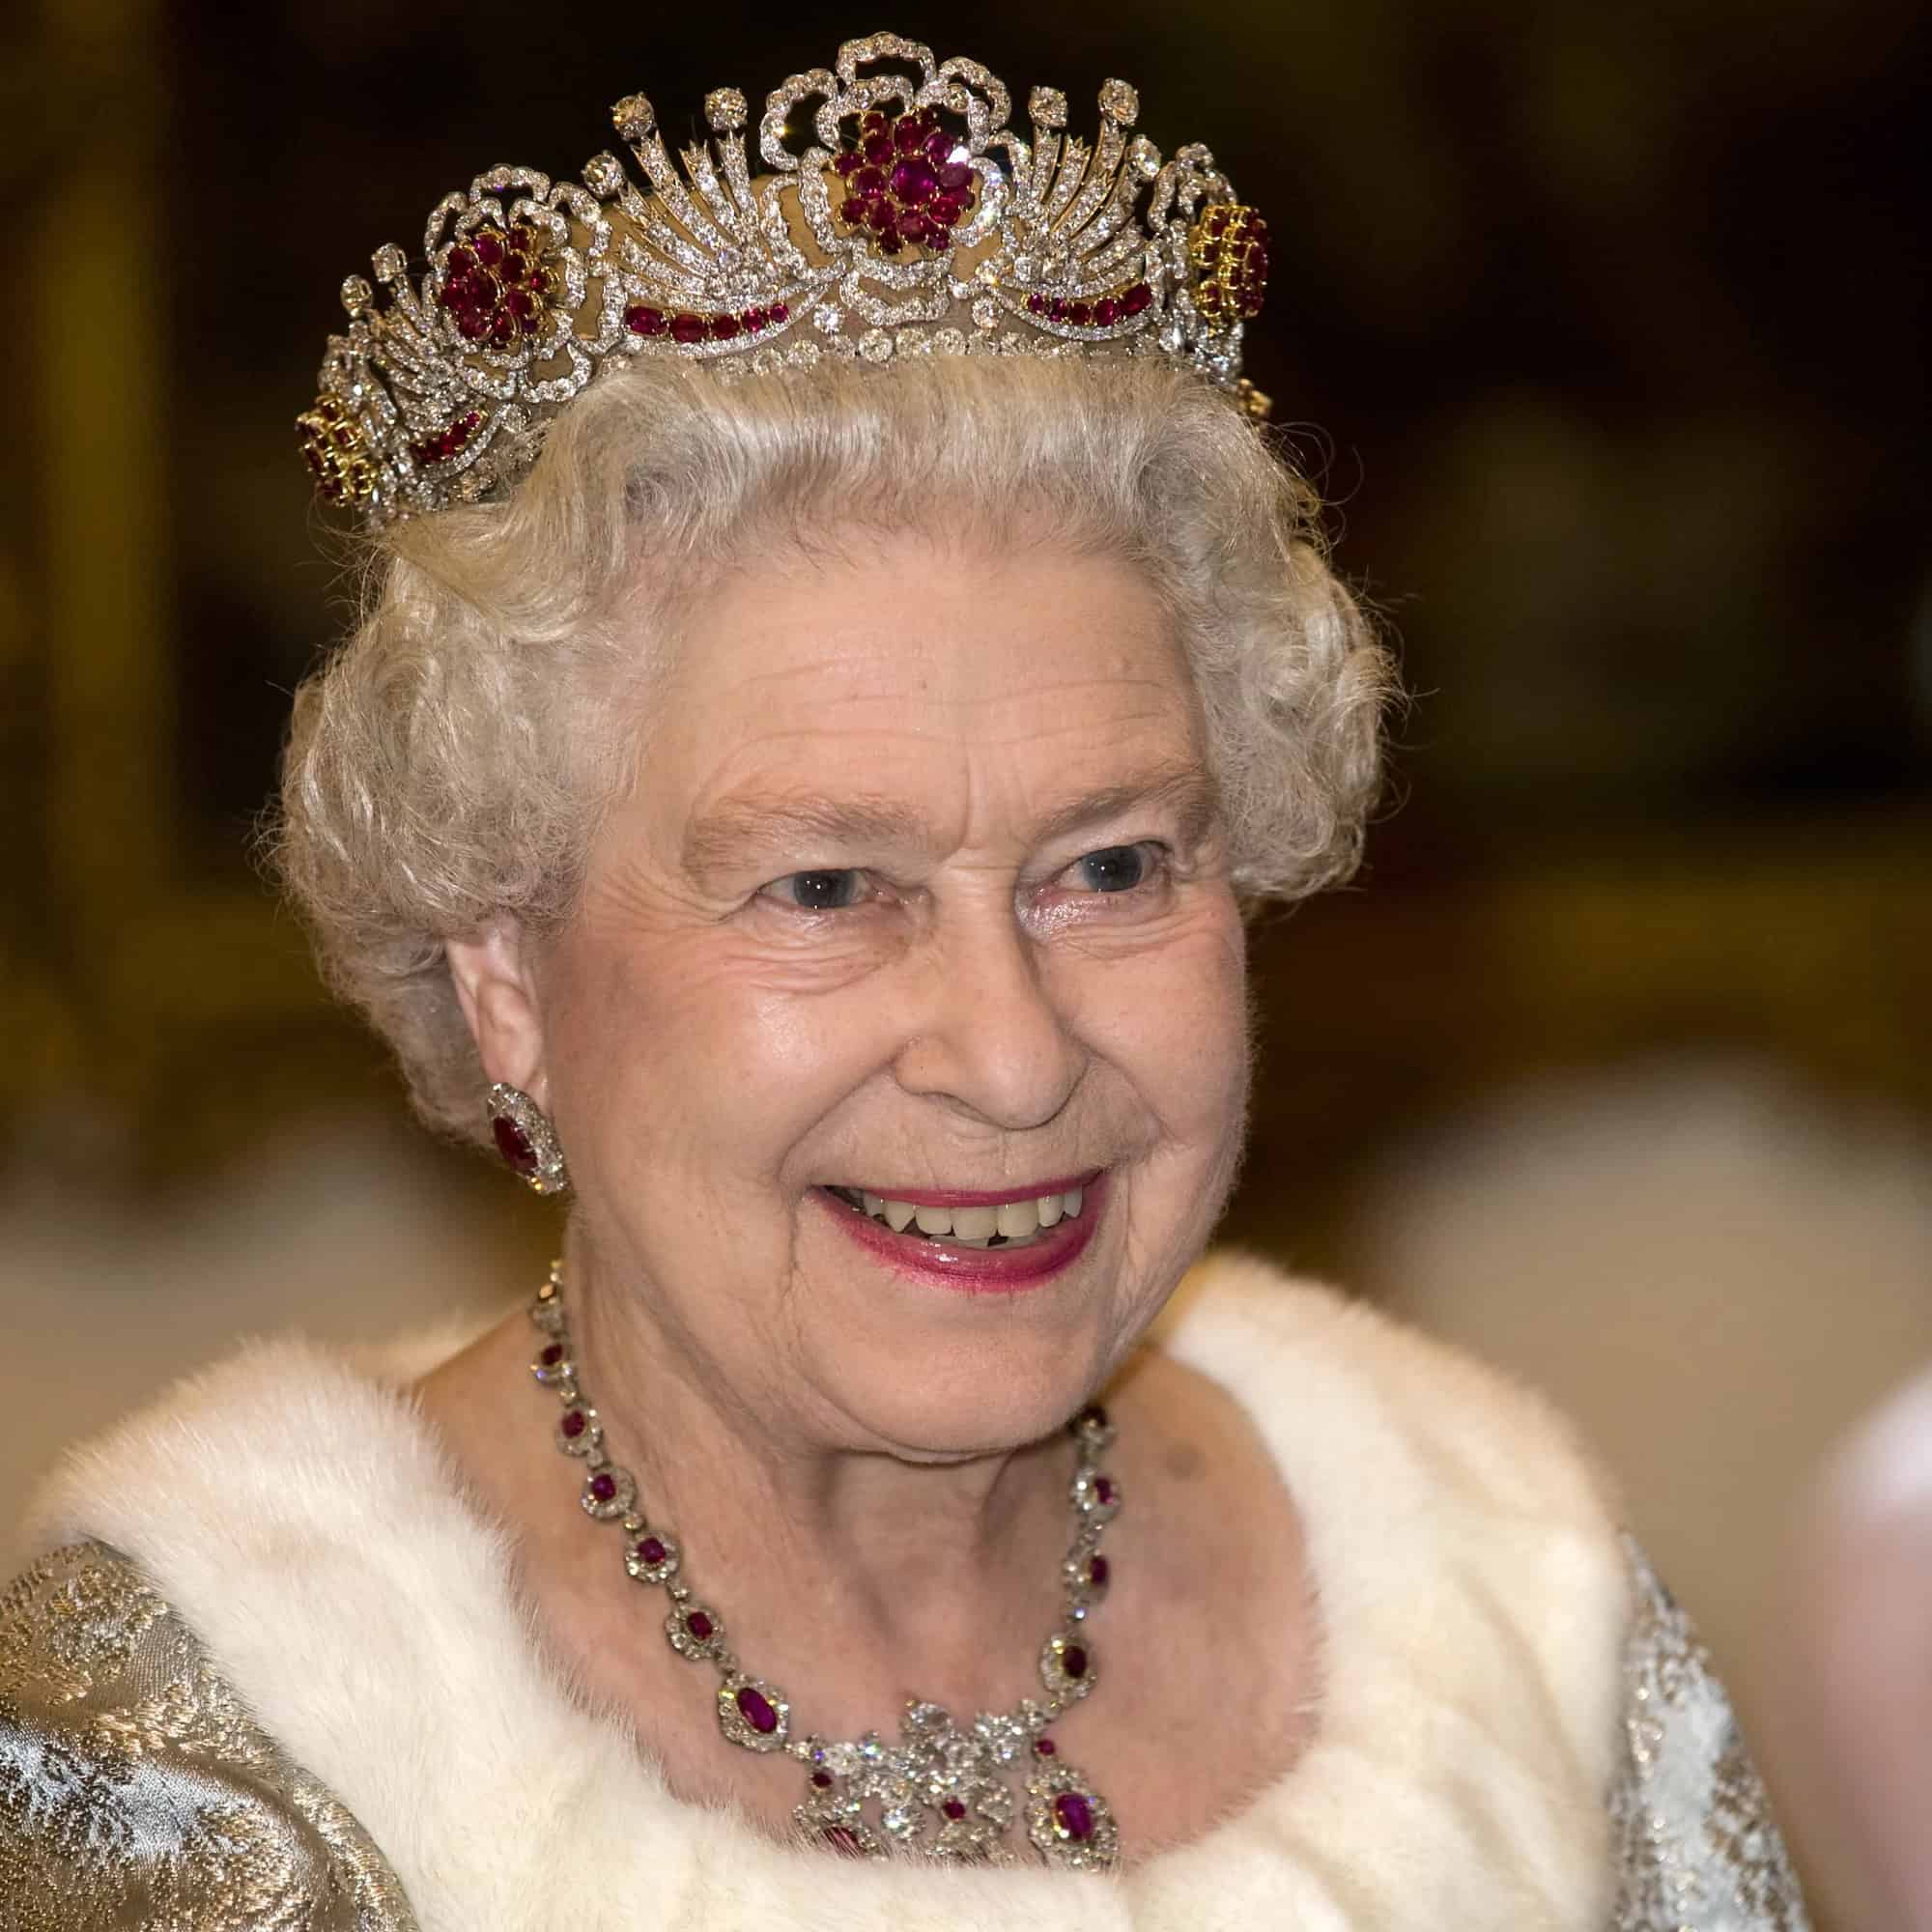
[[902, 183], [883, 209], [496, 287]]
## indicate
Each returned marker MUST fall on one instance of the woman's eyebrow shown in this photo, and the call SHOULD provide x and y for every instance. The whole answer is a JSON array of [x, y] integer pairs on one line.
[[739, 827], [742, 826], [1185, 791]]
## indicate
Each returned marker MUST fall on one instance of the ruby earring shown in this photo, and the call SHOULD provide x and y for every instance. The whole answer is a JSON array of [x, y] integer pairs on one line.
[[526, 1138]]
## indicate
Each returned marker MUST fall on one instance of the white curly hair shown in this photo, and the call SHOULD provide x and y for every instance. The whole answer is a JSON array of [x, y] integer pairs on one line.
[[449, 761]]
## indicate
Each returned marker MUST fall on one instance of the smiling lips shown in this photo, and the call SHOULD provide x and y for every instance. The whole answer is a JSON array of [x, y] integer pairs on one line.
[[975, 1241], [972, 1223]]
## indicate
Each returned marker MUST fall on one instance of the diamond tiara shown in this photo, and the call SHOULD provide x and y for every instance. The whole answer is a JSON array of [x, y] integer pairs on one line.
[[911, 221]]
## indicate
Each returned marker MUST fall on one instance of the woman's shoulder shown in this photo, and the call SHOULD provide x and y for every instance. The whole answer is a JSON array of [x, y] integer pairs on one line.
[[1339, 1387], [136, 1784], [1463, 1539]]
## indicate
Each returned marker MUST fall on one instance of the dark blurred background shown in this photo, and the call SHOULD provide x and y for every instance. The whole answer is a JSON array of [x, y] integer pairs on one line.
[[1603, 330]]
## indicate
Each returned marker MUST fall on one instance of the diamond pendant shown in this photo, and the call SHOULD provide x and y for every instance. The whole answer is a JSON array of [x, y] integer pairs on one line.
[[944, 1793]]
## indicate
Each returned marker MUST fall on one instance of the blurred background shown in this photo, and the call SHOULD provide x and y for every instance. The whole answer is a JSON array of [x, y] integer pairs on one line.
[[1601, 328]]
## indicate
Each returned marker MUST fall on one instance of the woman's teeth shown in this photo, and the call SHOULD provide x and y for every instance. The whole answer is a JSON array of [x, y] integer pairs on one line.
[[1009, 1223]]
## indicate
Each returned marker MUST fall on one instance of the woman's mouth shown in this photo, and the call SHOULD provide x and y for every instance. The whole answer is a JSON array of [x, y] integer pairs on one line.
[[977, 1242], [1017, 1223]]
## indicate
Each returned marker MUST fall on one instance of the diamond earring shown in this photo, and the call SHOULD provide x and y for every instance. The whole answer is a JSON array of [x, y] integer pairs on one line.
[[526, 1138]]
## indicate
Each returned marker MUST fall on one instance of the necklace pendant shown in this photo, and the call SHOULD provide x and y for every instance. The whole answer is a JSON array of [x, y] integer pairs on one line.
[[948, 1794], [1069, 1823]]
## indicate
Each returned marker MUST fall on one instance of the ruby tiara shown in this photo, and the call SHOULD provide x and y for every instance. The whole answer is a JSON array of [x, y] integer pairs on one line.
[[912, 221]]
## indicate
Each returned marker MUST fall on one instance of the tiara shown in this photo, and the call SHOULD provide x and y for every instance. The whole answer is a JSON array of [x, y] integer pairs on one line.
[[912, 221]]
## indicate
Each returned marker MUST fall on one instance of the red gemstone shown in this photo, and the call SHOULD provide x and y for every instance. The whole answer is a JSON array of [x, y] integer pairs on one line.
[[1073, 1660], [868, 182], [459, 261], [1074, 1816], [915, 227], [877, 149], [913, 181], [699, 1626], [1097, 1572], [842, 1838], [938, 148], [472, 328], [954, 1808], [874, 123], [781, 313], [908, 134], [513, 1144], [516, 266], [1106, 312], [948, 209], [522, 304], [1217, 222], [1137, 298], [879, 213], [689, 328], [651, 1550], [489, 246], [1080, 315], [603, 1486], [753, 318], [757, 1712], [551, 1355], [724, 327], [575, 1422], [1042, 1748], [956, 178], [1056, 309], [1103, 1489], [888, 240], [640, 319], [1035, 304], [503, 330], [843, 163], [823, 1779]]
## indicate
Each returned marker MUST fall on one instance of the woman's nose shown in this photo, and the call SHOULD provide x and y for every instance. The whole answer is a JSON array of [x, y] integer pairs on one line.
[[986, 1032]]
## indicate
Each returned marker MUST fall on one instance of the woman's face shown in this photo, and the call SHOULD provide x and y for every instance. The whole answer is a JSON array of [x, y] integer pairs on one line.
[[921, 895]]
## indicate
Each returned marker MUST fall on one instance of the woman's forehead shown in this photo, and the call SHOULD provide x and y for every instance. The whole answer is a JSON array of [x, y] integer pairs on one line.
[[959, 623]]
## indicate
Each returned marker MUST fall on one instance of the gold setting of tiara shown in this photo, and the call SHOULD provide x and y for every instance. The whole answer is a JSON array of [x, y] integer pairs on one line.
[[898, 215]]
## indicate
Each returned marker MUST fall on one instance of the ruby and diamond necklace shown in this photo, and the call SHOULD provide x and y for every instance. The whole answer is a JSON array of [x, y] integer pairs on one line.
[[943, 1790]]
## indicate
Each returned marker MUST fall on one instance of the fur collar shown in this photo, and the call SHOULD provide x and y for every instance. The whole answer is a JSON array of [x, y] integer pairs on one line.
[[303, 1521]]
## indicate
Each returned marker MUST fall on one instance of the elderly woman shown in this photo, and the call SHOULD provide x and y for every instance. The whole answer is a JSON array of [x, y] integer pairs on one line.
[[840, 659]]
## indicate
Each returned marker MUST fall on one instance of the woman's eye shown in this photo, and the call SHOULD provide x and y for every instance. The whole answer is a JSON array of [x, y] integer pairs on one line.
[[1115, 868], [819, 891]]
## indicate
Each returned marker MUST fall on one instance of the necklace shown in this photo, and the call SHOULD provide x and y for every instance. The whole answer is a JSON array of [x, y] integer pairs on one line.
[[943, 1790]]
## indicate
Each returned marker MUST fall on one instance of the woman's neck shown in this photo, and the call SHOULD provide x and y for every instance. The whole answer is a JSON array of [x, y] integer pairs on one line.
[[814, 1547]]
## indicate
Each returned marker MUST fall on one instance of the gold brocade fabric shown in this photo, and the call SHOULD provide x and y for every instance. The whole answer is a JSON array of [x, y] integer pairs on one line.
[[1693, 1827], [135, 1789]]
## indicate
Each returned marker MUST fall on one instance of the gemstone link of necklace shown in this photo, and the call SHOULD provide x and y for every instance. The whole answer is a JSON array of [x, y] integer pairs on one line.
[[944, 1790]]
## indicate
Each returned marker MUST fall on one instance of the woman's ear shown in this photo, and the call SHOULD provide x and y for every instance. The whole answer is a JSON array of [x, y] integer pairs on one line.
[[496, 987]]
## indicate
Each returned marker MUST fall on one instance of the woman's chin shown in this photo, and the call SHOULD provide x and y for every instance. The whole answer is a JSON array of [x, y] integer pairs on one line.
[[951, 1401]]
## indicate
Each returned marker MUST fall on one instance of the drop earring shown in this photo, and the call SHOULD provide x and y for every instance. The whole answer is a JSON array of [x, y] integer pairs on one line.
[[526, 1138]]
